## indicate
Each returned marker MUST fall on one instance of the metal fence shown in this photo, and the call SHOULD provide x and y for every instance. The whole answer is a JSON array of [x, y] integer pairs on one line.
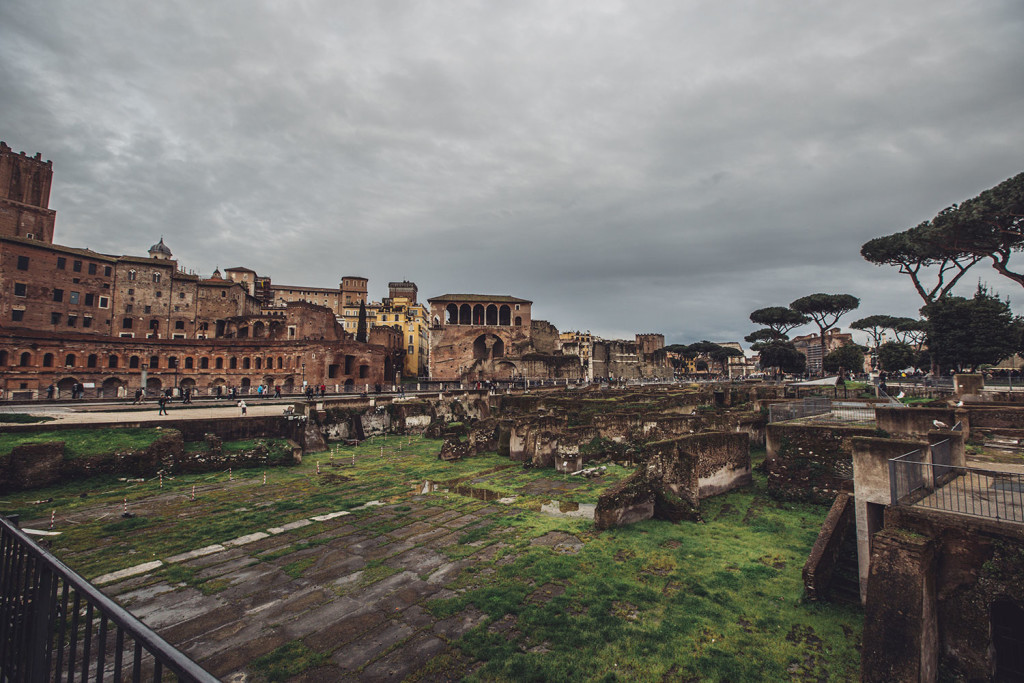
[[926, 478], [54, 625], [822, 410]]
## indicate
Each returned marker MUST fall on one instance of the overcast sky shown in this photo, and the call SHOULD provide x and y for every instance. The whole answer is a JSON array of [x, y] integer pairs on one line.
[[641, 166]]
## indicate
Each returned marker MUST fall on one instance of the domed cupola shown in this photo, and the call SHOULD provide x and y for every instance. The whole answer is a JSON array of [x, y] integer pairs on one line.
[[160, 250]]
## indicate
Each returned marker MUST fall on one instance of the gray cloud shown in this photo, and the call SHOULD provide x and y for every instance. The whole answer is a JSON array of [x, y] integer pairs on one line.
[[656, 166]]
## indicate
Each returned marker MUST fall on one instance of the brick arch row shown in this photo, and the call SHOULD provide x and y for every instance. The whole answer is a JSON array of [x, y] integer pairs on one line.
[[491, 314], [71, 360]]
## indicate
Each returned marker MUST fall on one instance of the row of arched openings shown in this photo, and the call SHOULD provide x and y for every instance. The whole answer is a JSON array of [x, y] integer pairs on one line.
[[479, 314], [49, 360]]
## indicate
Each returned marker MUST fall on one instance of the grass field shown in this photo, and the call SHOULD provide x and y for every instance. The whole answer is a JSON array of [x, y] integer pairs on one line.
[[719, 600]]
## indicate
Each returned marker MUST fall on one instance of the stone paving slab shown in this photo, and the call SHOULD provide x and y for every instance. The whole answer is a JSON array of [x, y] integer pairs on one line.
[[127, 573], [454, 626], [406, 659], [372, 645], [344, 630], [420, 560]]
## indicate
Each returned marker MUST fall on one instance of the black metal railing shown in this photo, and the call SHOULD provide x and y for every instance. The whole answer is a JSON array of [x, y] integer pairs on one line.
[[822, 409], [926, 478], [56, 626]]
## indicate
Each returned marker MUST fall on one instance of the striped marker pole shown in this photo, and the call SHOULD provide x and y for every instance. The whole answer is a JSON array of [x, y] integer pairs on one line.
[[126, 506], [264, 478], [53, 518], [161, 480], [382, 451], [193, 491], [318, 467], [229, 474]]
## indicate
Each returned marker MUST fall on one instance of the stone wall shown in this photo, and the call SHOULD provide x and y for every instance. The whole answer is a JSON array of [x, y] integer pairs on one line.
[[902, 422], [810, 462], [674, 477]]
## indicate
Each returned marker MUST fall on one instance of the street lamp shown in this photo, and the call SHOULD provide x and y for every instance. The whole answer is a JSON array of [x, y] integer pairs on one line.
[[303, 374]]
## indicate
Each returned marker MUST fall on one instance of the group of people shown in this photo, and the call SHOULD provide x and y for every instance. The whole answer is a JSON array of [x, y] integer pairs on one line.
[[315, 391], [77, 391], [263, 391]]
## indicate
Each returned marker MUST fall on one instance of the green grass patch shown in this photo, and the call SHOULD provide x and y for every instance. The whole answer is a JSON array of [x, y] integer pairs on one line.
[[80, 443], [24, 418], [295, 569], [291, 659]]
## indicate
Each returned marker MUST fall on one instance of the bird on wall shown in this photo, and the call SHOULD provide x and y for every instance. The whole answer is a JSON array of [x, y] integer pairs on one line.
[[940, 425], [959, 404], [900, 395]]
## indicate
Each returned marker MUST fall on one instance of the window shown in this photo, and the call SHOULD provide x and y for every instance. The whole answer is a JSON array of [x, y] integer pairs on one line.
[[411, 350], [159, 294], [92, 269], [128, 335], [48, 360], [131, 274], [86, 321], [90, 362], [147, 309], [204, 363], [220, 363], [179, 324], [25, 360], [89, 298], [172, 362], [58, 295], [23, 263], [181, 295], [154, 324], [20, 289], [154, 362], [75, 297], [156, 277], [104, 302], [126, 324], [107, 270], [128, 308], [112, 362], [133, 362], [131, 292], [55, 318], [223, 294], [72, 320], [62, 263], [188, 363], [17, 315], [69, 362], [76, 266]]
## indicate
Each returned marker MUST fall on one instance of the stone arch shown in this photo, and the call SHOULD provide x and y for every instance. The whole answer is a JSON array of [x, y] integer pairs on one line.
[[491, 315], [187, 383], [505, 315], [259, 329], [478, 314], [243, 332], [246, 383], [66, 385], [154, 385], [349, 383], [268, 381], [288, 386], [465, 315], [451, 315], [488, 346], [504, 370], [110, 386]]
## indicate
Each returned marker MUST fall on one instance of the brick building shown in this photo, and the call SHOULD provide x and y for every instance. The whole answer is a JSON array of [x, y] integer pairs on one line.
[[475, 337], [115, 323]]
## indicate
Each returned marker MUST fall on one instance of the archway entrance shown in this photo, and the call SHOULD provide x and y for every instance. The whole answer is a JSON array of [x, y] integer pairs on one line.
[[110, 387]]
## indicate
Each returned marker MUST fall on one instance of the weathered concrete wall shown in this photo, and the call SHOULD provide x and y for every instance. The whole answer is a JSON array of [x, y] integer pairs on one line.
[[824, 556], [902, 422]]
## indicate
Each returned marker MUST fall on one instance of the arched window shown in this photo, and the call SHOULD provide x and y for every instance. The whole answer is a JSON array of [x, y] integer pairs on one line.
[[259, 363], [112, 362], [492, 314], [465, 315], [133, 362], [233, 363], [505, 315], [478, 314], [280, 363], [245, 363], [519, 321], [451, 315], [219, 364], [48, 360], [91, 361], [25, 360], [154, 362], [69, 362], [172, 362], [3, 358], [204, 363], [188, 363]]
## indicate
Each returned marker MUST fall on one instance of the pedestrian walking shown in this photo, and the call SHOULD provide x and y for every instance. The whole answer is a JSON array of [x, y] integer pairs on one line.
[[138, 396], [241, 404], [163, 405], [49, 391]]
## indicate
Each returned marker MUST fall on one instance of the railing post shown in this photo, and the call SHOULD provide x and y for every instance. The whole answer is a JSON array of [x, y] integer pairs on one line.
[[40, 627], [892, 481]]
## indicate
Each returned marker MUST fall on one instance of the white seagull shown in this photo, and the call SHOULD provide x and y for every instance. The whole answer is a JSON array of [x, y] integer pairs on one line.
[[940, 425], [900, 395]]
